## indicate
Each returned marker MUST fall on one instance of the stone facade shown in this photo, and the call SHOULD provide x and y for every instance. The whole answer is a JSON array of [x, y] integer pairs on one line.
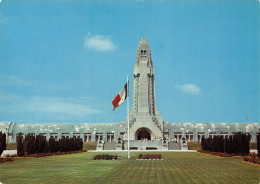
[[91, 132], [144, 115]]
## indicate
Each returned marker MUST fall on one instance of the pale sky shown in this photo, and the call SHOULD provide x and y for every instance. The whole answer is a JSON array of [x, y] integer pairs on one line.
[[65, 61]]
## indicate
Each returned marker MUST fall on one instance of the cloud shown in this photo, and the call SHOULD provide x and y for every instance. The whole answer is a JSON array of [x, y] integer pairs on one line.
[[99, 43], [69, 107], [43, 109], [72, 107], [189, 88], [7, 81], [14, 80]]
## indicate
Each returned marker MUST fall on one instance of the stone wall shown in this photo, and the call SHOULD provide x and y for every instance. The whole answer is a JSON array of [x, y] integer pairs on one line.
[[171, 130]]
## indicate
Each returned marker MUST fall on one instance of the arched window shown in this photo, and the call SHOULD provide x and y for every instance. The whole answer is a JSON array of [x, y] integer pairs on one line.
[[143, 53]]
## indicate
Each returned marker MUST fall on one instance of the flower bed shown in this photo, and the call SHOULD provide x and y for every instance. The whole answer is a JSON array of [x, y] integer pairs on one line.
[[252, 154], [217, 153], [252, 158], [9, 157], [48, 154], [106, 157], [6, 159], [150, 156]]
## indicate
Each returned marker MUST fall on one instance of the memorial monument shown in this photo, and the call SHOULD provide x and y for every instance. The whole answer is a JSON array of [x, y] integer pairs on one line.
[[147, 128]]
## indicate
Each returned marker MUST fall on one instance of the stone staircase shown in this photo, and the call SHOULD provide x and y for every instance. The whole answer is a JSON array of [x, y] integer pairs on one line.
[[144, 144], [174, 146], [110, 145], [157, 123]]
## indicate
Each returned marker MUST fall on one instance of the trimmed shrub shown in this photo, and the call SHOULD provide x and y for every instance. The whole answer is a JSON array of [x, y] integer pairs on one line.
[[38, 145], [2, 142], [258, 144], [6, 159], [20, 145], [239, 144]]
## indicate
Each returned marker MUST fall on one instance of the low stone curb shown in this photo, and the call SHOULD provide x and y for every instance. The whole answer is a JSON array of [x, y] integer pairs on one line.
[[149, 159], [177, 151], [105, 159], [250, 163], [9, 152]]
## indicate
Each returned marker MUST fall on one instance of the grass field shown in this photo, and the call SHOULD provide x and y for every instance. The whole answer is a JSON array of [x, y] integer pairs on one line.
[[89, 145], [194, 146], [175, 168], [11, 146]]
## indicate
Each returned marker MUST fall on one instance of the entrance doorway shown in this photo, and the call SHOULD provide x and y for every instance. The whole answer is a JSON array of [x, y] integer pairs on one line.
[[143, 134]]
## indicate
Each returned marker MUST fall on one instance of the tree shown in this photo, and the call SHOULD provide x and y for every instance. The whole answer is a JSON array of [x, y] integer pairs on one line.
[[221, 144], [30, 144], [231, 144], [228, 147], [258, 144], [203, 143], [20, 144], [52, 145], [40, 143], [2, 142], [247, 144]]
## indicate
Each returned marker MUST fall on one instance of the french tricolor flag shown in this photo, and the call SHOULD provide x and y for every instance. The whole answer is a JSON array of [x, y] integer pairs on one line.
[[120, 97]]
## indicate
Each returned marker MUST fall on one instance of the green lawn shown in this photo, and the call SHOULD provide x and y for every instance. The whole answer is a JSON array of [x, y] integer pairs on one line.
[[175, 168]]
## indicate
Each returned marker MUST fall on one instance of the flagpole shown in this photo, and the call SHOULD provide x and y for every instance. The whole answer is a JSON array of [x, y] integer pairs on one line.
[[128, 132]]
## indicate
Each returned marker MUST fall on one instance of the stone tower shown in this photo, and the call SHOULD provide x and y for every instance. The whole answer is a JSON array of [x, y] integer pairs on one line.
[[145, 120]]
